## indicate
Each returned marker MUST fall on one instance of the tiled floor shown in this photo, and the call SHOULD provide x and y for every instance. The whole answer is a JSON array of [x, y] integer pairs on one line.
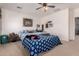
[[13, 49], [77, 37], [70, 48]]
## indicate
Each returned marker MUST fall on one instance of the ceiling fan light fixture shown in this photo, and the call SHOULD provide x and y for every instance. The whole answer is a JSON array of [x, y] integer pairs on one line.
[[45, 8]]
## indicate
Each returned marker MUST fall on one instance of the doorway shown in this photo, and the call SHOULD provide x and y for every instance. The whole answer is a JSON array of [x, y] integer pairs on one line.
[[76, 27]]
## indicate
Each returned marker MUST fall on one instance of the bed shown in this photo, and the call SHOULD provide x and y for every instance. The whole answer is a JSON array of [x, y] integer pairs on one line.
[[40, 43]]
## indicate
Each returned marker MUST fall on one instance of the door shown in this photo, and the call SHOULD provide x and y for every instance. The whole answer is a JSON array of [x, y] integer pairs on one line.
[[77, 26]]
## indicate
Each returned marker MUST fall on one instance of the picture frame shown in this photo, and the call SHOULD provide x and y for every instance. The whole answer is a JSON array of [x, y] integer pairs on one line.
[[27, 22], [49, 24]]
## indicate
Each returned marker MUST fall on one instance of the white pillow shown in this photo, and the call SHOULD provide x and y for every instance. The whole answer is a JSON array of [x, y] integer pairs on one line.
[[22, 34]]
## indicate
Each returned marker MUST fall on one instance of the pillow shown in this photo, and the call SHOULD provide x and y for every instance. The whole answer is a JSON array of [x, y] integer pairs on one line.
[[46, 34], [22, 34], [33, 37], [28, 36]]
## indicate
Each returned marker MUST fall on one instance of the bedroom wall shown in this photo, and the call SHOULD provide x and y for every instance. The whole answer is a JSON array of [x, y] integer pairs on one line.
[[76, 12], [12, 21], [60, 22], [71, 24]]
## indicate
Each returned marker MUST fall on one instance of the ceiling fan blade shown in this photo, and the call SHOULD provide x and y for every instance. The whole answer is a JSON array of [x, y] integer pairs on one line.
[[52, 6], [38, 8]]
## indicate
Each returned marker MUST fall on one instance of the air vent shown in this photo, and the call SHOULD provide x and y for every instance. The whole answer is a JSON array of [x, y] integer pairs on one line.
[[19, 7]]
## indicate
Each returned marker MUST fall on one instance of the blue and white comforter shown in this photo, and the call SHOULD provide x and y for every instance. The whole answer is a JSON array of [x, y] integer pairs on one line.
[[43, 44]]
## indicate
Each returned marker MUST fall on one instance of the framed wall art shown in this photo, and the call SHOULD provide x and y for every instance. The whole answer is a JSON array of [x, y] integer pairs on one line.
[[49, 24], [27, 22]]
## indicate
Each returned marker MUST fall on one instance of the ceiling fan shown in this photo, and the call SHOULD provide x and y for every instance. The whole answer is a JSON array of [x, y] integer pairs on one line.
[[45, 6]]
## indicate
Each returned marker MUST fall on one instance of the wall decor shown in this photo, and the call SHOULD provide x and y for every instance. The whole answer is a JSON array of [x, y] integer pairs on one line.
[[27, 22], [49, 24], [40, 28]]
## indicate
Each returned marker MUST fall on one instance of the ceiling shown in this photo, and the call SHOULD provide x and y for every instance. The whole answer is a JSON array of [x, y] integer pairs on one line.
[[30, 8]]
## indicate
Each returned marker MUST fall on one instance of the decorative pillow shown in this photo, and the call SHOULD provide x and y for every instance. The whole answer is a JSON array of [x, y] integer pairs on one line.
[[45, 34], [32, 37], [28, 36]]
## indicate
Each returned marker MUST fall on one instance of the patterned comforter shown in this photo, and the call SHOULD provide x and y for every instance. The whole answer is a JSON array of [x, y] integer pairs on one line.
[[44, 43]]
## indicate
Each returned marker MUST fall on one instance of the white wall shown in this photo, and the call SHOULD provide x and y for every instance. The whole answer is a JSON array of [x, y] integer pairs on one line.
[[63, 22], [76, 12], [12, 21], [60, 24], [71, 24]]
